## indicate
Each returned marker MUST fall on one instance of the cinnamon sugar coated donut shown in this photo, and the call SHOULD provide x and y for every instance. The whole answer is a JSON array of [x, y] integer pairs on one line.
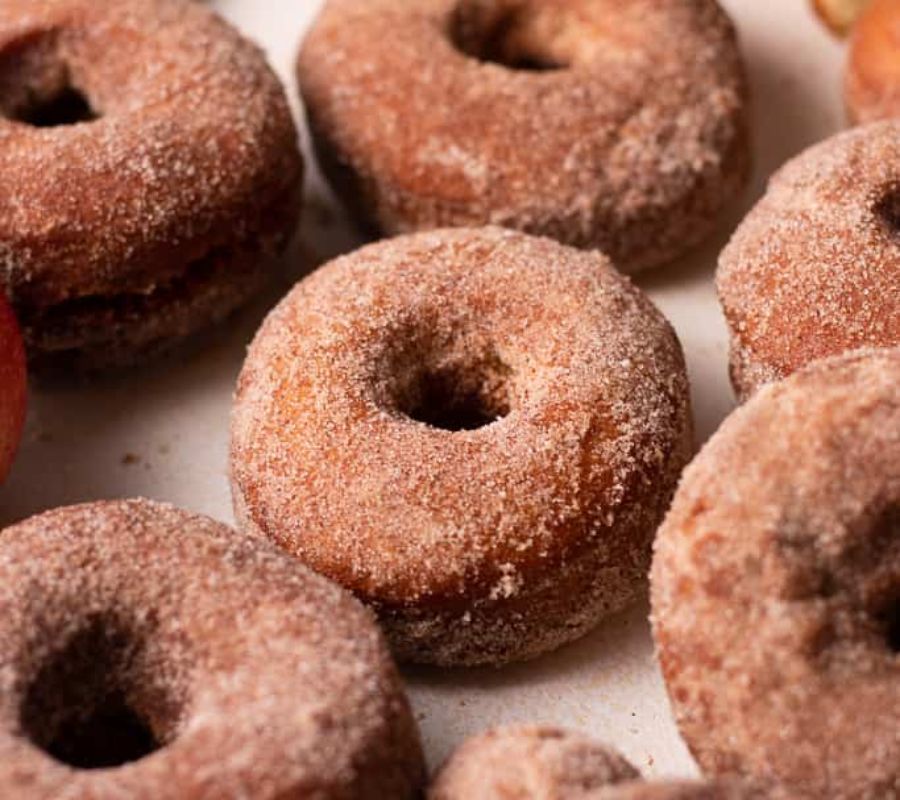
[[150, 174], [603, 124], [776, 586], [529, 763], [814, 270], [872, 89], [543, 763], [153, 654], [474, 430]]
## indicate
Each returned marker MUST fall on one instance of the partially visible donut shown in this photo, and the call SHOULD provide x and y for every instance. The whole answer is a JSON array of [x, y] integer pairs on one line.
[[153, 654], [149, 171], [544, 763], [474, 430], [872, 88], [529, 763], [686, 790], [602, 124], [776, 586], [814, 269]]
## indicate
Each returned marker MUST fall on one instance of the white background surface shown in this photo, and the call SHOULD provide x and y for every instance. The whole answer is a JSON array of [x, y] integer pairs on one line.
[[163, 432]]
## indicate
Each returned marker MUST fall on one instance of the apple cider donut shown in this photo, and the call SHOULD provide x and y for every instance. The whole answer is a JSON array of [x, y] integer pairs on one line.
[[153, 654], [776, 586], [814, 269], [529, 763], [474, 430], [542, 763], [150, 175], [600, 123], [872, 87]]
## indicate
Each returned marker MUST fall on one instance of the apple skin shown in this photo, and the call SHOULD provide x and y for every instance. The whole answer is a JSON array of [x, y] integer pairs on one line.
[[13, 387], [840, 15]]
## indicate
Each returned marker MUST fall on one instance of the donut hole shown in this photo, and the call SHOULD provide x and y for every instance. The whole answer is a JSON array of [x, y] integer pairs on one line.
[[888, 208], [37, 86], [461, 395], [89, 704], [503, 33], [68, 106], [891, 617], [885, 579]]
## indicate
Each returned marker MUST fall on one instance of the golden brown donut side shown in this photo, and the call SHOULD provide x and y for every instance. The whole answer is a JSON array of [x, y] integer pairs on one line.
[[774, 586], [94, 334], [147, 222], [419, 124], [482, 545], [253, 677], [812, 270], [872, 82]]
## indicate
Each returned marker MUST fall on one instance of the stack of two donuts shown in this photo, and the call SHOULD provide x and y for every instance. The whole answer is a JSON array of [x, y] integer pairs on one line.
[[150, 173]]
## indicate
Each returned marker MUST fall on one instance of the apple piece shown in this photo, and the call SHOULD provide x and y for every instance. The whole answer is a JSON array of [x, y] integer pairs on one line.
[[840, 15]]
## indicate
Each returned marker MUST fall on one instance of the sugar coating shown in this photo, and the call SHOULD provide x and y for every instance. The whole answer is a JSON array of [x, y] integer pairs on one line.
[[474, 546], [149, 221], [775, 586], [262, 679], [814, 269], [545, 763], [631, 146]]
